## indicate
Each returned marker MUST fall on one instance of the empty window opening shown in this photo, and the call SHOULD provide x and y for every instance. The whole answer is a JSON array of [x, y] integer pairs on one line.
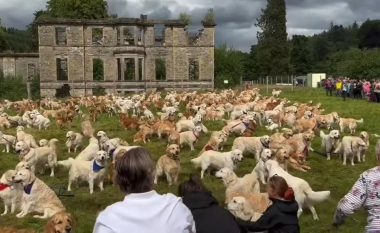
[[129, 71], [141, 69], [129, 35], [119, 70], [193, 69], [97, 36], [31, 71], [159, 34], [60, 36], [140, 35], [97, 69], [160, 69], [62, 73]]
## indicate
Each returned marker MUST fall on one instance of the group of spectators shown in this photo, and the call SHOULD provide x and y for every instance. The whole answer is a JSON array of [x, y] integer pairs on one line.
[[352, 88]]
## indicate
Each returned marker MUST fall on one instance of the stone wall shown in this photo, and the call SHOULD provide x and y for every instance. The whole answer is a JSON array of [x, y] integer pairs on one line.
[[17, 64]]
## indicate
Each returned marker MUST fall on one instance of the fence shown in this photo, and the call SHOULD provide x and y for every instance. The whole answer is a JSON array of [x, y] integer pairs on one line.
[[277, 82]]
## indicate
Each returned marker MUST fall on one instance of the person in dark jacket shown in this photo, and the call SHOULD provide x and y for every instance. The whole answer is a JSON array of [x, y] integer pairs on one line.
[[281, 216], [209, 217]]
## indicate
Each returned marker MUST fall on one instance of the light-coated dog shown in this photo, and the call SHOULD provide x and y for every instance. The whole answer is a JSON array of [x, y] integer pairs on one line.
[[259, 169], [27, 138], [251, 145], [330, 142], [349, 123], [89, 153], [351, 147], [169, 165], [217, 160], [8, 141], [74, 141], [234, 184], [37, 196], [10, 192], [89, 171], [249, 207], [304, 195], [190, 137]]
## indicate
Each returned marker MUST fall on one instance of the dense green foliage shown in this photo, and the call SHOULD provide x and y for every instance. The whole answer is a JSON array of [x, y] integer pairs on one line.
[[77, 9], [272, 52], [14, 88]]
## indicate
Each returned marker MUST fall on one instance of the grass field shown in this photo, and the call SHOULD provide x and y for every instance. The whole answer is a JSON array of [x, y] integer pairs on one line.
[[325, 175]]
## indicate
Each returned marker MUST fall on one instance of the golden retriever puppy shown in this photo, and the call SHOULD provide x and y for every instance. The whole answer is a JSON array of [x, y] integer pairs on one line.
[[169, 164], [37, 196], [10, 192], [61, 222], [349, 123], [252, 145], [246, 184], [249, 207]]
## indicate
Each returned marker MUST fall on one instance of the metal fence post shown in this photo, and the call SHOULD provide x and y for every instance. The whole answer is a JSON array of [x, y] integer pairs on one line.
[[267, 84]]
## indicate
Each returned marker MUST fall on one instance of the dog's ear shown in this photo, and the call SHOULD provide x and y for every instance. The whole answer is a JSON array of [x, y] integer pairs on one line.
[[31, 177]]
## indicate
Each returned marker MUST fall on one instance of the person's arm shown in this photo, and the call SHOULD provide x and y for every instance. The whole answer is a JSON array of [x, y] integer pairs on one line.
[[265, 222], [351, 202]]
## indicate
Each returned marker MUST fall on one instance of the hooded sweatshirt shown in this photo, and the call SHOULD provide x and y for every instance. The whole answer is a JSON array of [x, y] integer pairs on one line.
[[145, 213], [280, 217], [209, 217]]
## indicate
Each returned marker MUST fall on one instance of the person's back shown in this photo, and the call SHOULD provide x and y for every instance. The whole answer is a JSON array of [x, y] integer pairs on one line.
[[143, 210], [209, 217], [146, 212], [364, 193]]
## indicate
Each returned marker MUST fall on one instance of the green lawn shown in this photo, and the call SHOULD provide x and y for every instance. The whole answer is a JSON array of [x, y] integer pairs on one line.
[[325, 175]]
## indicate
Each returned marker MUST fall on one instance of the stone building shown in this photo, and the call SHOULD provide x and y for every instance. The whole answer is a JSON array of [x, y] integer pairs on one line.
[[124, 54], [25, 65]]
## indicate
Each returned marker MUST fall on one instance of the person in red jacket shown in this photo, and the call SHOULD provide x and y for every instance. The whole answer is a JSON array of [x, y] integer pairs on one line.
[[281, 216]]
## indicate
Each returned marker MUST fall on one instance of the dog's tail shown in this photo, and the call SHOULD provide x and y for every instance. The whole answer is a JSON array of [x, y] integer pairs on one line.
[[360, 121], [376, 135], [322, 134], [87, 129], [196, 161], [66, 163], [52, 142], [316, 197]]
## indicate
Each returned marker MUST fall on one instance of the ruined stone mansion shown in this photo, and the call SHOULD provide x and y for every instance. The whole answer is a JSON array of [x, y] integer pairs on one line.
[[121, 55]]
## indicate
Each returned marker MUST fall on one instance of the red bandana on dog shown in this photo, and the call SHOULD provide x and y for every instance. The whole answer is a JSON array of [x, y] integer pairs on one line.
[[3, 186]]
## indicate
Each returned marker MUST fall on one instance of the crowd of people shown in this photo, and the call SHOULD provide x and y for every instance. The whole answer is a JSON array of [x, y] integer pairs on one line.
[[352, 88]]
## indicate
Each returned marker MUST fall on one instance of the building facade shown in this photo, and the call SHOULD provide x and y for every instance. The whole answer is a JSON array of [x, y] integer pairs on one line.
[[124, 54], [25, 65]]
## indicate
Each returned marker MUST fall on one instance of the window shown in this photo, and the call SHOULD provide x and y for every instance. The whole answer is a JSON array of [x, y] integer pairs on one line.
[[97, 69], [193, 69], [159, 34], [119, 71], [141, 69], [129, 35], [160, 69], [129, 72], [97, 36], [139, 36], [62, 74], [31, 71], [60, 36]]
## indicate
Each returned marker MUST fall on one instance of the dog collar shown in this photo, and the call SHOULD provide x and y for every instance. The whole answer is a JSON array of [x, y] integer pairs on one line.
[[96, 167], [28, 188], [4, 186]]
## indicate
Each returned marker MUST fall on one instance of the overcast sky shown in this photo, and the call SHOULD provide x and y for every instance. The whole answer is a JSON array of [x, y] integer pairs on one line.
[[235, 18]]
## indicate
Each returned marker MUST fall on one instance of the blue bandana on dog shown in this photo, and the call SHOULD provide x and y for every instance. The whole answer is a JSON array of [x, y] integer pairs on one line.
[[28, 188], [96, 167]]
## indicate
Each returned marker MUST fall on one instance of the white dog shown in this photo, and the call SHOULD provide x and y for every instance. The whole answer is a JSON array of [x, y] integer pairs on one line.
[[217, 160], [186, 125], [10, 192], [39, 121], [89, 171], [271, 125], [234, 184], [190, 137], [27, 154], [37, 196], [89, 153], [351, 147], [260, 170], [330, 141], [304, 195], [8, 141], [27, 138], [74, 141], [252, 145]]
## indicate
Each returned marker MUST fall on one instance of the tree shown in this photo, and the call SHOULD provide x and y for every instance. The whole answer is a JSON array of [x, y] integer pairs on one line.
[[300, 57], [185, 18], [77, 9], [272, 48], [209, 18], [33, 28], [369, 34]]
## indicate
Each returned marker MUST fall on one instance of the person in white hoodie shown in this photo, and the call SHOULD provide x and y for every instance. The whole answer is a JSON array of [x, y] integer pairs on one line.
[[143, 210]]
